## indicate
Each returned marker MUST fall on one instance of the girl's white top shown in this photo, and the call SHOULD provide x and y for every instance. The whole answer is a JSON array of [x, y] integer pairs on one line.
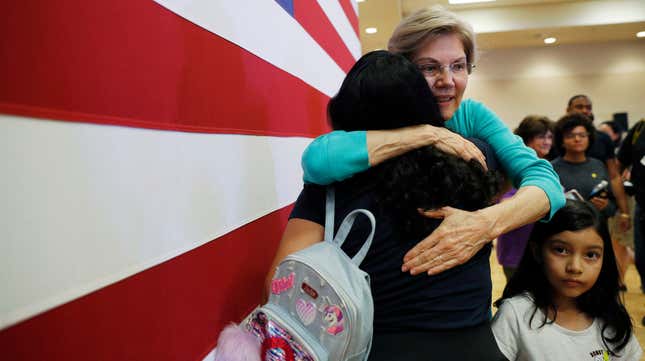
[[520, 341]]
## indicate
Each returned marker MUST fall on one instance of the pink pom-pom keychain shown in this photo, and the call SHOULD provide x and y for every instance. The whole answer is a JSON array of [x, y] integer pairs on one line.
[[235, 344]]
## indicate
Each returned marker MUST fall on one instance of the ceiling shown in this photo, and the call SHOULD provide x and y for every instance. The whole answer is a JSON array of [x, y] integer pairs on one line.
[[517, 23]]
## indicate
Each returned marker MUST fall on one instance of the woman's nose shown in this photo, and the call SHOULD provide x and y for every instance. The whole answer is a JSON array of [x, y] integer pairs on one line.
[[444, 79]]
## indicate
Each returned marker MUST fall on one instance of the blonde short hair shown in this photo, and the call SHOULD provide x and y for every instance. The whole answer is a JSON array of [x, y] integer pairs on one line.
[[426, 24]]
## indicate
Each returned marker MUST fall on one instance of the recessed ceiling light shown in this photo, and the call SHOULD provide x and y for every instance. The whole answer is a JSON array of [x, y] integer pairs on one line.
[[550, 40], [359, 1], [457, 2], [640, 34], [371, 30]]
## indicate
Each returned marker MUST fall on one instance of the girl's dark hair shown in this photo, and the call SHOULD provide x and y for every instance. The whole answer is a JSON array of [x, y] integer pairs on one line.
[[567, 123], [383, 91], [532, 126], [386, 91], [601, 301]]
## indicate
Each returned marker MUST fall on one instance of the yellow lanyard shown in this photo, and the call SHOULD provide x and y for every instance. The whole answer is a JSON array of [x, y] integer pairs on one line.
[[637, 132]]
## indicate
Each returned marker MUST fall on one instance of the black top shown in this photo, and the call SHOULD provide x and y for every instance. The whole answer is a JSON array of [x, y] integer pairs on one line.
[[583, 177], [632, 154], [457, 298], [602, 148]]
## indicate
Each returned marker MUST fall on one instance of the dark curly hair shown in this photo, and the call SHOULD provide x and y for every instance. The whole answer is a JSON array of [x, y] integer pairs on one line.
[[602, 300], [567, 123], [427, 178], [386, 91]]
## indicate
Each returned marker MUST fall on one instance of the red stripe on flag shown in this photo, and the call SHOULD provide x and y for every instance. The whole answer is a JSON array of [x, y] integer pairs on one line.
[[173, 311], [135, 63], [351, 14], [312, 17]]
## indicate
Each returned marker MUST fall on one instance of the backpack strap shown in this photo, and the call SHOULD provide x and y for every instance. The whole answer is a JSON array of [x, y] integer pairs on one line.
[[329, 215], [346, 226]]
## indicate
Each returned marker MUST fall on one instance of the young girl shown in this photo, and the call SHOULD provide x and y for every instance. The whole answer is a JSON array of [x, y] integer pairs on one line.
[[563, 301]]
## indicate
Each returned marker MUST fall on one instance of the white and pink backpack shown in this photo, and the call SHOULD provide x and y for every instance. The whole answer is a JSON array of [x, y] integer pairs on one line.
[[320, 307]]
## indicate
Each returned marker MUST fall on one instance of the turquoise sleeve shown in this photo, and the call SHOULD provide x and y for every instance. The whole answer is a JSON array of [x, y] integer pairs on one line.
[[520, 162], [335, 156]]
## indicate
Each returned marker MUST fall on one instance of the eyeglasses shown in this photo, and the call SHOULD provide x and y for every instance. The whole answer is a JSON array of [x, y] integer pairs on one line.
[[576, 135], [433, 70]]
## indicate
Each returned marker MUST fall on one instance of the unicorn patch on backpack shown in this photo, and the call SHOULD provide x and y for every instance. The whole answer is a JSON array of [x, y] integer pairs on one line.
[[334, 319]]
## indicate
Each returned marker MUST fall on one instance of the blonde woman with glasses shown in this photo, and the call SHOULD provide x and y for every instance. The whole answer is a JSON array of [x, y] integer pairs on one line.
[[443, 47]]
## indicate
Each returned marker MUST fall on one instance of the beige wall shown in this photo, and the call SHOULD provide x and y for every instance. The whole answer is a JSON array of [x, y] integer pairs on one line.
[[517, 82]]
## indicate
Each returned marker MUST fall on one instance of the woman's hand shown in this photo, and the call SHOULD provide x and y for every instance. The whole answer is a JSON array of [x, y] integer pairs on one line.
[[385, 144], [599, 202], [453, 143], [458, 238]]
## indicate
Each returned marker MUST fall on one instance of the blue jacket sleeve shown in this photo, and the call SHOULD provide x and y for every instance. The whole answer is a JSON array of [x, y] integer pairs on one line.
[[335, 156], [519, 162]]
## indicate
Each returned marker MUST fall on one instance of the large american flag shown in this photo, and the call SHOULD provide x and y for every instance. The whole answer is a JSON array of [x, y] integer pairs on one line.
[[150, 157]]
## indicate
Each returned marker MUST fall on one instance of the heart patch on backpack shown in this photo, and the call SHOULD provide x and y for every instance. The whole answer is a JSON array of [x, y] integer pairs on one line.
[[306, 311]]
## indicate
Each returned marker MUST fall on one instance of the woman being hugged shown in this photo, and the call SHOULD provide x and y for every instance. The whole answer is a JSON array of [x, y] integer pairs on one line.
[[563, 301], [443, 47], [427, 317]]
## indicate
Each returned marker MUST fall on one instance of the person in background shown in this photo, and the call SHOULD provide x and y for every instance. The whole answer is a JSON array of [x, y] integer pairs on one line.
[[603, 149], [614, 132], [623, 247], [632, 155], [537, 133], [442, 46]]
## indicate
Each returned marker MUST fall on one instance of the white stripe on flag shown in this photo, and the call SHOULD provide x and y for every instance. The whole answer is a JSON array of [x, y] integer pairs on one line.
[[265, 29], [355, 6], [336, 15], [87, 205], [210, 356]]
